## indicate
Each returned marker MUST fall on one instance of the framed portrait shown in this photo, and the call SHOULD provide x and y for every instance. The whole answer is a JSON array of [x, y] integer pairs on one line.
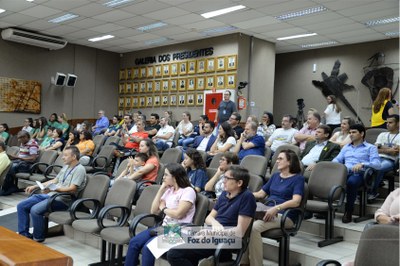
[[142, 101], [122, 75], [135, 73], [149, 101], [121, 88], [156, 100], [157, 71], [200, 83], [173, 85], [157, 86], [164, 100], [174, 69], [135, 102], [181, 100], [135, 87], [182, 84], [201, 66], [199, 99], [142, 87], [143, 72], [128, 87], [128, 102], [183, 68], [165, 85], [220, 80], [221, 65], [210, 82], [191, 67], [172, 100], [149, 86], [231, 62], [190, 84], [150, 71], [190, 99], [129, 73], [121, 112], [211, 64], [231, 81], [166, 71], [121, 102]]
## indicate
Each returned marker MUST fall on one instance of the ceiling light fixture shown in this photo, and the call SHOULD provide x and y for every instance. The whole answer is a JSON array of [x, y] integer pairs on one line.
[[376, 22], [219, 30], [296, 36], [101, 38], [30, 0], [2, 10], [152, 26], [392, 33], [301, 13], [222, 11], [115, 3], [318, 44], [63, 18], [156, 41]]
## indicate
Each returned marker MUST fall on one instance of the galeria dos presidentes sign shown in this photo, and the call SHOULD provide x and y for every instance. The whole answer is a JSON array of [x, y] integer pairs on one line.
[[174, 56]]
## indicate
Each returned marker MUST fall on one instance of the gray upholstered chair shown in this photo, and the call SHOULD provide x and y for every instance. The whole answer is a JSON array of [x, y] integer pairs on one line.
[[111, 139], [256, 164], [255, 183], [98, 141], [171, 155], [268, 153], [372, 133], [215, 160], [102, 160], [294, 148]]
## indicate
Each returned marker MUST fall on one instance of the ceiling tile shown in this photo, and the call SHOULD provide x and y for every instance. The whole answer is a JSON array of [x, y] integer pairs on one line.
[[206, 6], [65, 5], [240, 16], [187, 35], [206, 24], [86, 23], [126, 33], [114, 15], [256, 22], [174, 2], [4, 25], [179, 20], [387, 13], [15, 6], [106, 28], [40, 25], [41, 12], [61, 30], [90, 10], [18, 19], [146, 7], [285, 7], [135, 22], [143, 37], [167, 13], [82, 34], [369, 7]]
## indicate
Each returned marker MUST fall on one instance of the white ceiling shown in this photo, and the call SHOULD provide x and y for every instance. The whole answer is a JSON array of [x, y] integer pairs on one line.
[[343, 22]]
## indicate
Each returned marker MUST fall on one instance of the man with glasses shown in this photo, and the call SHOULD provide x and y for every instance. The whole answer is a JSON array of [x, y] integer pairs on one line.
[[234, 120], [225, 109], [102, 123]]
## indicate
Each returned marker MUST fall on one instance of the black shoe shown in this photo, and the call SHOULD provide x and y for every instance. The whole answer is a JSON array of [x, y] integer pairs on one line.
[[320, 215], [347, 217], [307, 215]]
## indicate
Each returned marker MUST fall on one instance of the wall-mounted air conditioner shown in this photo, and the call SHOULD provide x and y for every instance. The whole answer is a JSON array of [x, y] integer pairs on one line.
[[26, 37]]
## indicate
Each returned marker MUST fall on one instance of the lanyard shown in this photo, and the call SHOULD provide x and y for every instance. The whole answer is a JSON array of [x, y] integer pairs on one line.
[[66, 174], [391, 141]]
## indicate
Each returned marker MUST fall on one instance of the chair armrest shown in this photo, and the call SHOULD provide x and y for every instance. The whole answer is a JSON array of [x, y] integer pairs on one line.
[[99, 173], [34, 167], [295, 229], [144, 183], [326, 262], [369, 177], [49, 169], [55, 196], [138, 218], [78, 203], [95, 165], [332, 194], [125, 212], [35, 191]]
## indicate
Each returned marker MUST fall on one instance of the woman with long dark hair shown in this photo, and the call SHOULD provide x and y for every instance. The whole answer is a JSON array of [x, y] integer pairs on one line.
[[267, 125], [332, 112], [196, 168], [225, 141], [381, 108]]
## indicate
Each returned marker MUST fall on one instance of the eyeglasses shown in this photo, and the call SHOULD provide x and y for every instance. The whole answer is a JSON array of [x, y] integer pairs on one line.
[[229, 178], [222, 159]]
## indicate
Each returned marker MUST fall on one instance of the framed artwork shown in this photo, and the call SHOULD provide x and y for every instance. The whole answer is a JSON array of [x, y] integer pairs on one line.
[[150, 71], [149, 86], [128, 87], [164, 100], [135, 73], [190, 99], [173, 85], [166, 71], [232, 62], [158, 71], [201, 66], [142, 101], [181, 100], [122, 74], [191, 82], [121, 88], [129, 73], [143, 72], [210, 82], [142, 87], [157, 85], [210, 64], [220, 81], [231, 81], [199, 99], [165, 85], [135, 102], [221, 66], [182, 84], [135, 87], [183, 68], [200, 83], [121, 112], [128, 102], [172, 100], [191, 67], [149, 101], [156, 100], [121, 102], [174, 69]]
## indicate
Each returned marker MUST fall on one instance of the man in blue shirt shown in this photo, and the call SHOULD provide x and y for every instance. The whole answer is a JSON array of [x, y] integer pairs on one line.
[[249, 142], [357, 156], [101, 124]]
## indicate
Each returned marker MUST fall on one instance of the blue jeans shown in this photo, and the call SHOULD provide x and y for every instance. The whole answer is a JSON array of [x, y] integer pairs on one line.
[[138, 244], [186, 142], [354, 181], [18, 166], [36, 206], [161, 145], [386, 166]]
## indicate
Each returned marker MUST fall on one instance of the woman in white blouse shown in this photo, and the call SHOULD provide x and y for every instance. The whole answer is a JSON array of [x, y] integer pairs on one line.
[[185, 127], [342, 137], [332, 112], [225, 141]]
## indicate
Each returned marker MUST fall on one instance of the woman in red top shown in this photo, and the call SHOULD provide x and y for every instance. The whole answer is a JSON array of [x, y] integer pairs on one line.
[[150, 170]]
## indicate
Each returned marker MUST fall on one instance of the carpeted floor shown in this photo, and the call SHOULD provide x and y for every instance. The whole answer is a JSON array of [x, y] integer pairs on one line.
[[9, 221]]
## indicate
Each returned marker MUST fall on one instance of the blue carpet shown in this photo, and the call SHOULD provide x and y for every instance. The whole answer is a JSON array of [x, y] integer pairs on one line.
[[10, 221]]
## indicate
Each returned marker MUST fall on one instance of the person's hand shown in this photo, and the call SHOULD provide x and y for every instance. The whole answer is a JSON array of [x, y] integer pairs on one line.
[[216, 225], [310, 167], [395, 218], [242, 136], [45, 191], [356, 168], [270, 215], [130, 161], [29, 189]]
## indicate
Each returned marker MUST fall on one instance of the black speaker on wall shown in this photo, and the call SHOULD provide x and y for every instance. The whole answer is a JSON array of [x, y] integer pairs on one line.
[[71, 80], [60, 79]]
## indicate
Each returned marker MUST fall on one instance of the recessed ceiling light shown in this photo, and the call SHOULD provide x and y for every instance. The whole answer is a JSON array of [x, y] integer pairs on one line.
[[63, 18], [152, 26], [115, 3], [376, 22], [2, 10], [156, 41], [296, 36], [30, 0], [219, 30], [222, 11], [318, 44], [301, 13], [101, 38], [392, 33]]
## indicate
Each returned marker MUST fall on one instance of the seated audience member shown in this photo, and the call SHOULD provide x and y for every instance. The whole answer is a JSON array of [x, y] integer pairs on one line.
[[176, 200], [169, 114], [215, 186], [307, 133], [389, 213], [249, 142], [131, 143], [205, 141], [197, 131], [101, 123], [53, 121], [134, 164], [154, 125], [225, 141], [35, 128], [253, 118], [234, 208], [185, 128], [135, 118], [284, 190], [342, 137], [283, 135], [310, 112], [72, 179], [318, 150], [4, 132], [84, 126], [126, 126], [73, 139], [388, 144], [196, 169], [57, 143], [165, 135], [332, 112], [27, 155], [267, 125], [4, 160], [41, 128], [63, 125], [234, 120], [357, 156], [86, 145], [47, 139], [28, 125], [115, 126]]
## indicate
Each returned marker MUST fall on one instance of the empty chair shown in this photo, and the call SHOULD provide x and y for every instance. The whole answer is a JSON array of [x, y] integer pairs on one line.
[[171, 155], [102, 160], [255, 164], [372, 133], [98, 141], [111, 139], [53, 170], [255, 183], [215, 160]]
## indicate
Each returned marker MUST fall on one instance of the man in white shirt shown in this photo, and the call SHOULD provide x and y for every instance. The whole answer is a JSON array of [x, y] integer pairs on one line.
[[283, 135], [165, 135], [205, 141]]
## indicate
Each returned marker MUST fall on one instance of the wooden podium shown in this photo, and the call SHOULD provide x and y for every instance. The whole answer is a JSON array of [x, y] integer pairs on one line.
[[18, 250]]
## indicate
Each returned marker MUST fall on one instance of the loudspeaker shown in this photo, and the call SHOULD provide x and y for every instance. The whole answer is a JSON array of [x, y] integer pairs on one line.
[[71, 80], [60, 79]]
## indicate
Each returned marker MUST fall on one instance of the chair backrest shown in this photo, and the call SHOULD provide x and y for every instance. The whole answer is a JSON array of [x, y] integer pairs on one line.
[[98, 141], [96, 188], [211, 172], [105, 156], [160, 173], [12, 150], [256, 164], [171, 155], [121, 167], [58, 161], [255, 183], [204, 155], [326, 175], [201, 209], [121, 193], [111, 139], [294, 148], [336, 130], [215, 160], [13, 141], [372, 133], [379, 245], [267, 153], [4, 173], [176, 138], [143, 204], [48, 158]]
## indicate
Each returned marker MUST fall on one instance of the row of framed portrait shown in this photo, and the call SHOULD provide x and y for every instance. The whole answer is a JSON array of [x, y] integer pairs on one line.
[[149, 101], [189, 67], [180, 84]]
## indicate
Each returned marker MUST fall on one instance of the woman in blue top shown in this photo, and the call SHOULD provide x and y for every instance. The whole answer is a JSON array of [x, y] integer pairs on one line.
[[195, 167], [284, 190]]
